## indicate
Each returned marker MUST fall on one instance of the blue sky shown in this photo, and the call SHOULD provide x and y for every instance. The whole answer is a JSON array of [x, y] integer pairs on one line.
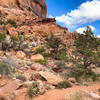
[[75, 14]]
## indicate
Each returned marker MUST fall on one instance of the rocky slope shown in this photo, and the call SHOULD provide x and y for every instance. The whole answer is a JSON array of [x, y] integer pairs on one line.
[[28, 68], [36, 6]]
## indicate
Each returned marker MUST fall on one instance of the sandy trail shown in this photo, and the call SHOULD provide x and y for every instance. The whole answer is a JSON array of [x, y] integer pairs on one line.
[[60, 94]]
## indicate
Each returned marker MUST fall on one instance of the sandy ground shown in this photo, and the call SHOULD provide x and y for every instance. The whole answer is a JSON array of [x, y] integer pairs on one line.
[[60, 94]]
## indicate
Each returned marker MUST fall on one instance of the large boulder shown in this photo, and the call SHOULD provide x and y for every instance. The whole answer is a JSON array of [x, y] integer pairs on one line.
[[38, 7], [37, 58], [37, 67], [51, 77], [20, 55]]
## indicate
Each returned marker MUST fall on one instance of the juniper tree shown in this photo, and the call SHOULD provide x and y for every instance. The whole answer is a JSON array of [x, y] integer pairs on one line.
[[88, 48]]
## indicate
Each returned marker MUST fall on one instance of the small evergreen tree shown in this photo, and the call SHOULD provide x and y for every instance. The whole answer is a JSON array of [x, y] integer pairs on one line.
[[87, 48]]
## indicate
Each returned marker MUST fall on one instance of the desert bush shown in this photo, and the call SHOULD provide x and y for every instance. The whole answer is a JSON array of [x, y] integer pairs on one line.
[[64, 84], [56, 47], [2, 22], [18, 42], [5, 45], [14, 38], [64, 32], [5, 69], [2, 37], [81, 74], [12, 22], [45, 54], [60, 64], [10, 61], [33, 90], [15, 42], [40, 50], [21, 77], [44, 62]]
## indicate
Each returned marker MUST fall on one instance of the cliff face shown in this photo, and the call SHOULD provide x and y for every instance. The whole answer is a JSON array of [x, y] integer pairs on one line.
[[38, 7]]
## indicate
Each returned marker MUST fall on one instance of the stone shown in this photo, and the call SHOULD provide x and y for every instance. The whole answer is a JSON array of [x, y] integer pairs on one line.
[[20, 55], [27, 51], [37, 58], [35, 77], [51, 77], [36, 66], [73, 80], [38, 7]]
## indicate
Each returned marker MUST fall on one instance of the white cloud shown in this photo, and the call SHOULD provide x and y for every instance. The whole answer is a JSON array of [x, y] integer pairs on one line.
[[86, 12], [98, 36], [82, 29], [50, 16]]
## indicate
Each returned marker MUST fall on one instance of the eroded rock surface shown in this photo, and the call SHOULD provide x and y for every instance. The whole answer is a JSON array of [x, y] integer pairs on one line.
[[38, 7]]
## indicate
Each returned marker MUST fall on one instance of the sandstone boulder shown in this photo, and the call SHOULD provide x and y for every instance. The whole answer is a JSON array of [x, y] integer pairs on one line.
[[51, 77], [20, 55], [37, 58], [36, 66]]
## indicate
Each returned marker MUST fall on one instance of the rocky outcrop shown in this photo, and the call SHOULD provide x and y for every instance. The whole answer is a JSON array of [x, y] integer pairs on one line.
[[38, 7]]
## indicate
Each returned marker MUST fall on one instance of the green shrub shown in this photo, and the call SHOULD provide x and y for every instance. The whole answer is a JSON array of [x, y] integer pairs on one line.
[[21, 77], [2, 22], [44, 62], [15, 42], [18, 42], [45, 54], [12, 22], [56, 47], [53, 42], [14, 38], [40, 50], [62, 55], [33, 90], [60, 64], [29, 9], [2, 37], [64, 84], [81, 74], [64, 32], [5, 69]]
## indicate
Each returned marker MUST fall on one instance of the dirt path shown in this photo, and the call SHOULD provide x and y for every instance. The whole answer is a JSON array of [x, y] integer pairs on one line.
[[60, 94]]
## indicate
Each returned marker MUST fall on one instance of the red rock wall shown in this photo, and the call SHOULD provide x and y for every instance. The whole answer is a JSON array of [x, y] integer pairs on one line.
[[38, 7]]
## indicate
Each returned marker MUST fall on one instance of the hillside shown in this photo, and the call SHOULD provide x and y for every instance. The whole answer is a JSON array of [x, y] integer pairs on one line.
[[36, 56]]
